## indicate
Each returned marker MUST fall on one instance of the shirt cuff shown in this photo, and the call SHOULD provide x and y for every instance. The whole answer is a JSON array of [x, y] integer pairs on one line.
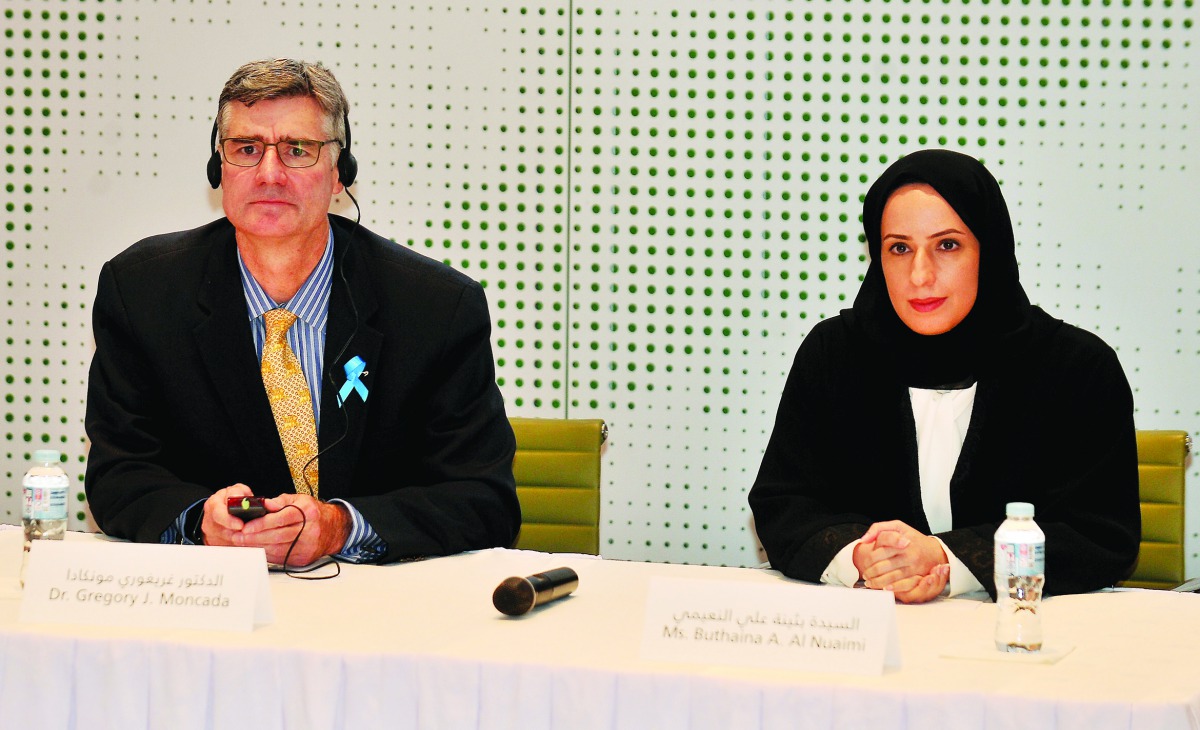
[[962, 580], [841, 570], [177, 532], [364, 545]]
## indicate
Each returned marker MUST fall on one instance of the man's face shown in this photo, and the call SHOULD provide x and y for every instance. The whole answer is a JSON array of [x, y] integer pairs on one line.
[[271, 202]]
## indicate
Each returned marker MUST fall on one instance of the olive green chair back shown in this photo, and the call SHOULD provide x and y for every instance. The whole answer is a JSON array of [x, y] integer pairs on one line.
[[1161, 458], [557, 468]]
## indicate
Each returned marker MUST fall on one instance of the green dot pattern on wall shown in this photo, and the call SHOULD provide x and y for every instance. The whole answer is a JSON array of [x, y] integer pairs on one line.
[[715, 165], [660, 198], [48, 57]]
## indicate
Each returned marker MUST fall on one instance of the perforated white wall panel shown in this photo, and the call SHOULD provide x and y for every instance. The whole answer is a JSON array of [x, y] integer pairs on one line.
[[661, 198]]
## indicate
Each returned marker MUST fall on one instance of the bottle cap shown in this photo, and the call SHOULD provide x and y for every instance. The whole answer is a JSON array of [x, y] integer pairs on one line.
[[47, 456], [1018, 509]]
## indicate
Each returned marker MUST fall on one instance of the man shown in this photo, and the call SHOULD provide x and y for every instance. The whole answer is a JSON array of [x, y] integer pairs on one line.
[[285, 352]]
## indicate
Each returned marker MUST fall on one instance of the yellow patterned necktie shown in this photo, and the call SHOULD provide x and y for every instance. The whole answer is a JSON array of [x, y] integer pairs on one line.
[[291, 402]]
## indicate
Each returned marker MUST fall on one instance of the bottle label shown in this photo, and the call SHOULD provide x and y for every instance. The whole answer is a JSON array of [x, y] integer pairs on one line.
[[45, 497], [1020, 558]]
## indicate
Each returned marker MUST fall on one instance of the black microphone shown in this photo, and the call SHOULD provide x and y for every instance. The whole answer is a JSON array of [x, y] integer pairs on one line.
[[516, 596]]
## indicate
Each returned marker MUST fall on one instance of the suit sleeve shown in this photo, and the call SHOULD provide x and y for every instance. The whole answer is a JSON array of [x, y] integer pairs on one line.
[[131, 493], [462, 494], [1081, 475], [799, 523]]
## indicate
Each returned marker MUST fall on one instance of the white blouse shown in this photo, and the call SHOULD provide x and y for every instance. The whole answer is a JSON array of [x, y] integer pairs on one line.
[[942, 418]]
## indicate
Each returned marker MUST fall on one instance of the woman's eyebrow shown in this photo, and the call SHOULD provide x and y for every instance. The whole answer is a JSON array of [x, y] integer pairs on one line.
[[939, 234]]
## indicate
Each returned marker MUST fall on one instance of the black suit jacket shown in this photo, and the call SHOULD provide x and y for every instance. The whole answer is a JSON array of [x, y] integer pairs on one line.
[[1052, 424], [176, 408]]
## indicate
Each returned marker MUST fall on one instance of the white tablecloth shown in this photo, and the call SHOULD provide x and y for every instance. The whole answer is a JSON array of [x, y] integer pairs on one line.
[[419, 645]]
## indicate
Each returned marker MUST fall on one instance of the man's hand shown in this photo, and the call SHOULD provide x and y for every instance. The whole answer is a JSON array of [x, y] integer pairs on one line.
[[218, 526], [893, 556], [326, 527]]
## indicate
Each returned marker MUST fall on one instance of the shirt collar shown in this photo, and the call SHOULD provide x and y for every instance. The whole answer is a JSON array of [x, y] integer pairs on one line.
[[311, 302]]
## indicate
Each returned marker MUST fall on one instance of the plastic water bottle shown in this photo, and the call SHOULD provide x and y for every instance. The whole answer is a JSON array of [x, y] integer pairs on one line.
[[1020, 574], [44, 507]]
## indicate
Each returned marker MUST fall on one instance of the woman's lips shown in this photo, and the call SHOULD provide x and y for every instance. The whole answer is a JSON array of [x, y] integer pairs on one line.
[[926, 305]]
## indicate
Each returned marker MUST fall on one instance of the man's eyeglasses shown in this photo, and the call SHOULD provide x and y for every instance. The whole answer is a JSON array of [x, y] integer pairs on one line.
[[292, 152]]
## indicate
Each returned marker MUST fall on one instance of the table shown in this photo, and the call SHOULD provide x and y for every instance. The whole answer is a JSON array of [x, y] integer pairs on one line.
[[419, 645]]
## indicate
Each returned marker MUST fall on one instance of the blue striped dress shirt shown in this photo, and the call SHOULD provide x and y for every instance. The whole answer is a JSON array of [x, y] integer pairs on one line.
[[307, 339]]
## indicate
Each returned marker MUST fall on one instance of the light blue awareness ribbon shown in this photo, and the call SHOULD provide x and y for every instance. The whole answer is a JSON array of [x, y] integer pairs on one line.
[[354, 369]]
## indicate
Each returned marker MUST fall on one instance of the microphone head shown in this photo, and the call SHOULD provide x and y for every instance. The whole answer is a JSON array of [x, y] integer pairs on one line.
[[514, 596]]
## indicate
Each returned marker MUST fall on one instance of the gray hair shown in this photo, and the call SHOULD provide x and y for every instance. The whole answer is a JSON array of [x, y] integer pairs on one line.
[[283, 78]]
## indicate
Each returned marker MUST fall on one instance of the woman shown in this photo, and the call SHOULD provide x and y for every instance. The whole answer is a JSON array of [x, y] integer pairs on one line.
[[909, 421]]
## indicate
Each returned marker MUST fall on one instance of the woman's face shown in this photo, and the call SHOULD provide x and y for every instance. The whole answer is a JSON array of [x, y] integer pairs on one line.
[[930, 260]]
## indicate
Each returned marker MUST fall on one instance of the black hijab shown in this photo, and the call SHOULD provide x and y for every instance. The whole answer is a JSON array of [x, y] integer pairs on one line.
[[960, 356]]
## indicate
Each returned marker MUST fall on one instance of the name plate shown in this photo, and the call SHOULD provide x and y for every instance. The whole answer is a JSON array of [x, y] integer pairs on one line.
[[133, 584], [789, 626]]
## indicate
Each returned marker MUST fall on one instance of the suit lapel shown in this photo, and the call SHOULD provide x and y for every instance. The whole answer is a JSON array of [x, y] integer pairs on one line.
[[985, 393], [352, 304], [912, 477], [227, 351]]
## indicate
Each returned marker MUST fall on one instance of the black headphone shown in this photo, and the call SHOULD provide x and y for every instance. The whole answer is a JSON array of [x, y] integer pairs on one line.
[[347, 166]]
